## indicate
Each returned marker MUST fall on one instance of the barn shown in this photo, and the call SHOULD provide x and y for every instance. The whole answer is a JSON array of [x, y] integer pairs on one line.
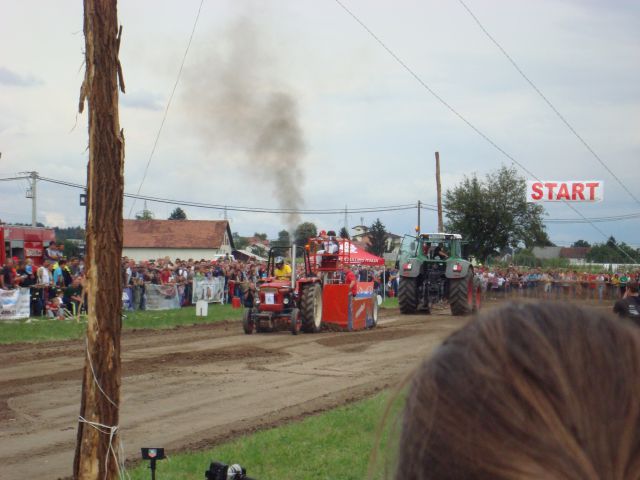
[[184, 239]]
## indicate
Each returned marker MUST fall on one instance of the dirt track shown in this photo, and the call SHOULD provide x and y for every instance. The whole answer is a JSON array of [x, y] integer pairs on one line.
[[189, 388]]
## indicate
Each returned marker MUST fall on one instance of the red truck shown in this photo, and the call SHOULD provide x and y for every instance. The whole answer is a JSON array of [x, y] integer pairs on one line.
[[25, 242]]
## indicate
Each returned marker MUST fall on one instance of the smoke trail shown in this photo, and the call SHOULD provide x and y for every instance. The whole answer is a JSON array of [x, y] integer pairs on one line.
[[238, 103]]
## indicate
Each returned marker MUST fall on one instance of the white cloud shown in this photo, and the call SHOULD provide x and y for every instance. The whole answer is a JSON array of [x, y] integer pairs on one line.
[[12, 79], [371, 129]]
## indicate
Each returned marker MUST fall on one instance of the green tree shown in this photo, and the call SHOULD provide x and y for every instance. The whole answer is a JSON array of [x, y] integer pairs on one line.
[[344, 233], [377, 238], [145, 214], [178, 214], [580, 244], [613, 252], [62, 234], [260, 236], [239, 242], [304, 232], [71, 249], [493, 213], [284, 238]]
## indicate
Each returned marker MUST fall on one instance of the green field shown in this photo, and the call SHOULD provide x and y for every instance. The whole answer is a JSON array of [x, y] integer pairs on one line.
[[42, 329], [333, 445]]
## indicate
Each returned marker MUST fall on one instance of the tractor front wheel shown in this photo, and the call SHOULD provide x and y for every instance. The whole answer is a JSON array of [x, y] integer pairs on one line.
[[247, 322], [461, 295], [408, 295], [311, 308], [295, 321]]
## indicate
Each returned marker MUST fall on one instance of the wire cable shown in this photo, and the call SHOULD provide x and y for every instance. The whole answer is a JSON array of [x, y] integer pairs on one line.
[[331, 211], [548, 102], [461, 117], [166, 110], [326, 211]]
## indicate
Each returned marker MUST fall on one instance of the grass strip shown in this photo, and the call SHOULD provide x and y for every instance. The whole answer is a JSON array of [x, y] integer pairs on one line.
[[329, 446], [42, 329]]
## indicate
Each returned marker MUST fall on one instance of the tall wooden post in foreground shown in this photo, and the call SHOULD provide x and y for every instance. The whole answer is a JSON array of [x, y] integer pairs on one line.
[[439, 191], [99, 411]]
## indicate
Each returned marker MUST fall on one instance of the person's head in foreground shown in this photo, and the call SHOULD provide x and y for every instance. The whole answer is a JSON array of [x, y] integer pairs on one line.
[[533, 391]]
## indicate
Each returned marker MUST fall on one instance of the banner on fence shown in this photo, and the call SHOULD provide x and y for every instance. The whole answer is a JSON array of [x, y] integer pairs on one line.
[[14, 304], [162, 297], [211, 290]]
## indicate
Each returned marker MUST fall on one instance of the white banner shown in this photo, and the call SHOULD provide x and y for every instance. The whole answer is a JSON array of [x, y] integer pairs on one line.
[[565, 191], [161, 297], [211, 290], [14, 304]]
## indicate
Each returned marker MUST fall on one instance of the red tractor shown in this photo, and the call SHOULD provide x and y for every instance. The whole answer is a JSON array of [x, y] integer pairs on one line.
[[283, 300], [299, 303]]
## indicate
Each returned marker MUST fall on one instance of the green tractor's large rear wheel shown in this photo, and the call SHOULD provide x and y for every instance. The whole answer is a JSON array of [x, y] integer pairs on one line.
[[311, 308], [408, 295], [461, 294]]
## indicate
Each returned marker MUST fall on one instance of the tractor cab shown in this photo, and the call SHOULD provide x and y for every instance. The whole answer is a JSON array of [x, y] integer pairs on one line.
[[277, 291]]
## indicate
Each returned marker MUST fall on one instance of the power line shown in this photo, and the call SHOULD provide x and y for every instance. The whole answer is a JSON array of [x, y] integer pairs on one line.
[[328, 211], [548, 102], [166, 110], [325, 211], [460, 116]]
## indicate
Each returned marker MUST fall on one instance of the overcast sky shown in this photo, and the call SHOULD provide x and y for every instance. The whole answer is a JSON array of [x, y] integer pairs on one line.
[[359, 130]]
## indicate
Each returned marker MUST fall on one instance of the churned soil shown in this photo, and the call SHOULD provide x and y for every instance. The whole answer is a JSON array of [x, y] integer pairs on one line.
[[190, 388]]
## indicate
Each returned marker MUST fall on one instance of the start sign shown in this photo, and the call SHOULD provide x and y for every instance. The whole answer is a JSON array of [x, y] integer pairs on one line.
[[565, 191]]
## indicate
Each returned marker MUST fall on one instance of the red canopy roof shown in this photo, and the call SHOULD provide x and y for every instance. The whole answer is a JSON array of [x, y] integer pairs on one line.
[[359, 256]]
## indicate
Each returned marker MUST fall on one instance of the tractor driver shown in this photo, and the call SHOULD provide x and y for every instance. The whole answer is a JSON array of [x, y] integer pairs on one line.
[[282, 270], [440, 253]]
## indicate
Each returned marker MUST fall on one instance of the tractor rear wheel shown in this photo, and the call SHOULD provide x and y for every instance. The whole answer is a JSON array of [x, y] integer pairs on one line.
[[408, 295], [461, 293], [311, 308], [247, 322]]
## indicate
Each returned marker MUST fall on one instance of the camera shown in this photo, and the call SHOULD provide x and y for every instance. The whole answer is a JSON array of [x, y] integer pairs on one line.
[[222, 471]]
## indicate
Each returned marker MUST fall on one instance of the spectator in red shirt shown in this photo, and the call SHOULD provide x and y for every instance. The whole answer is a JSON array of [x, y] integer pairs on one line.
[[350, 279], [165, 275]]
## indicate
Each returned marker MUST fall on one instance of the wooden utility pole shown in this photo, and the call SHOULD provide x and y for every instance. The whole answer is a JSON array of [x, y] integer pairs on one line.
[[439, 191], [97, 440]]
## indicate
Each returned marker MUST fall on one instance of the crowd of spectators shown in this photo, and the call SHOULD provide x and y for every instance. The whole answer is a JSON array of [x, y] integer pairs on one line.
[[56, 286], [240, 277], [555, 284]]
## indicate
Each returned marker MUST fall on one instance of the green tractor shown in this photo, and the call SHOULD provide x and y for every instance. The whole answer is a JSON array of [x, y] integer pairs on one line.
[[432, 269]]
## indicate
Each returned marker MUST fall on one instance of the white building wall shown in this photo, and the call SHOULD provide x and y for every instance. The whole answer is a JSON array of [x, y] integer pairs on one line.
[[173, 253]]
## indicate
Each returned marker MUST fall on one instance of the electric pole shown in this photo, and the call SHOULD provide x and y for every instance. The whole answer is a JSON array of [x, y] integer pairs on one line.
[[439, 191], [34, 178], [32, 194], [98, 435]]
